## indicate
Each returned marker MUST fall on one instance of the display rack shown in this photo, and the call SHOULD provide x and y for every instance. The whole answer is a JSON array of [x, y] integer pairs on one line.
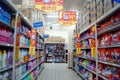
[[55, 52], [106, 50], [19, 62]]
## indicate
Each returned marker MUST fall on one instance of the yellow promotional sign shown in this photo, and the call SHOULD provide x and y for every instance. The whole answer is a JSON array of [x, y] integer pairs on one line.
[[32, 50], [93, 52], [17, 53], [67, 18], [49, 5]]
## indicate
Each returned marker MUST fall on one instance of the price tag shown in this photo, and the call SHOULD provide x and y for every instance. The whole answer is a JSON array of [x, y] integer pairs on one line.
[[17, 53], [32, 51], [93, 52]]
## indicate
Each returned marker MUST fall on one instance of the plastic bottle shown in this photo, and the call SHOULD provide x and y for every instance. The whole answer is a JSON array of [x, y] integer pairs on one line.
[[6, 76], [9, 58], [4, 59], [1, 77], [0, 58]]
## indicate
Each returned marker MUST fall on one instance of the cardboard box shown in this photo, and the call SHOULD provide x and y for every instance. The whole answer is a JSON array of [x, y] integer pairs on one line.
[[93, 3], [108, 4], [100, 8]]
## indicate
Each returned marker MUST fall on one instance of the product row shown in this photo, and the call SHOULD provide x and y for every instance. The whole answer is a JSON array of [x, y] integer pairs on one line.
[[109, 55], [5, 16], [6, 36], [25, 68], [111, 73], [110, 23], [6, 58], [110, 39]]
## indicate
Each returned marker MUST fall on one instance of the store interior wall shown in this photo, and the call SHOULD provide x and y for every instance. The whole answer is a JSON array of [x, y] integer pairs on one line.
[[67, 33]]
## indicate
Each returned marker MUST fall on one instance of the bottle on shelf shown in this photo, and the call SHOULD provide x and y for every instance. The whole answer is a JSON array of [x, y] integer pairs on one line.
[[4, 59]]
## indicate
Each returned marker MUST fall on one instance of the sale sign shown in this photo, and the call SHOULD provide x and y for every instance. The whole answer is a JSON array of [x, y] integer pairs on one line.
[[67, 18], [49, 5]]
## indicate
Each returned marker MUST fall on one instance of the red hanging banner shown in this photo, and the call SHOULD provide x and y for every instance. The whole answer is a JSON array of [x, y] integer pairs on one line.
[[67, 18], [49, 5]]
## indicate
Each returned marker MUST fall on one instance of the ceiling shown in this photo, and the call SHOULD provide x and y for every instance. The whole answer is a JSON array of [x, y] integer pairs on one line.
[[51, 19]]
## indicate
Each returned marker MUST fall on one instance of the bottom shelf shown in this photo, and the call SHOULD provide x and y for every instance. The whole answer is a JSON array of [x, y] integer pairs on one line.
[[38, 73], [81, 75]]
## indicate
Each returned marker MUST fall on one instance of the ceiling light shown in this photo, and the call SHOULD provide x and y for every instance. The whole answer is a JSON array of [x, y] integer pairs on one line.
[[52, 15]]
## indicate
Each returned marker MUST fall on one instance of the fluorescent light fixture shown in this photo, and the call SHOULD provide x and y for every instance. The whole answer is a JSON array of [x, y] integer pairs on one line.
[[52, 15]]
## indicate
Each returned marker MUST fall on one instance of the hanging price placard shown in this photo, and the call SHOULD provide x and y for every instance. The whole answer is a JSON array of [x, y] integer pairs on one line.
[[49, 5], [67, 18], [32, 50], [93, 52]]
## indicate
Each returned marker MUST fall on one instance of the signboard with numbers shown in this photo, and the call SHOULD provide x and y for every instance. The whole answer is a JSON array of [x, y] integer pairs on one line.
[[49, 5], [67, 18]]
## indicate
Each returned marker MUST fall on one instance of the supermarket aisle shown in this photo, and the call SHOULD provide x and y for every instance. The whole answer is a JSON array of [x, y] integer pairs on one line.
[[58, 71]]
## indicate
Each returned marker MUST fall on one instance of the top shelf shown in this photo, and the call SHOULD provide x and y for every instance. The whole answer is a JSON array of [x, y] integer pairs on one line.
[[109, 13], [26, 21], [102, 18], [3, 24], [9, 6], [109, 30]]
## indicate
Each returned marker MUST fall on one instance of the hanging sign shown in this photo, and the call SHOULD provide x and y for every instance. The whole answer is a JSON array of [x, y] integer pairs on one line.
[[49, 5], [45, 36], [67, 18], [37, 24], [117, 1]]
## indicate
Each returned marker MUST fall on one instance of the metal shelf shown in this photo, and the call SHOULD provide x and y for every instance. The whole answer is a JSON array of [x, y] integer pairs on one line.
[[38, 74], [29, 71], [102, 77], [26, 21], [86, 48], [108, 63], [89, 37], [111, 46], [23, 33], [3, 24], [81, 75], [114, 9], [6, 68], [24, 47], [6, 45], [88, 69], [54, 43], [109, 13], [109, 30], [87, 58]]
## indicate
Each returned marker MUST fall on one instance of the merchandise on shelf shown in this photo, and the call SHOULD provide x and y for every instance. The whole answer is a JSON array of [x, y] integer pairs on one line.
[[5, 16], [110, 72], [109, 55], [110, 23], [6, 36], [86, 74]]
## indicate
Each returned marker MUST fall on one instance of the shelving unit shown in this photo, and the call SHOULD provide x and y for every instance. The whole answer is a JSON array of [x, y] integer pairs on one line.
[[15, 45], [106, 49], [56, 52]]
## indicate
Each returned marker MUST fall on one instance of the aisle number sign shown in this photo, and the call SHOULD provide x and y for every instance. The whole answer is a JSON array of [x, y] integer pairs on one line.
[[67, 18], [49, 5]]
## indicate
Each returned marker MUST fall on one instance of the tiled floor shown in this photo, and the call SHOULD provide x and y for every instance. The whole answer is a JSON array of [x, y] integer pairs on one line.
[[58, 71]]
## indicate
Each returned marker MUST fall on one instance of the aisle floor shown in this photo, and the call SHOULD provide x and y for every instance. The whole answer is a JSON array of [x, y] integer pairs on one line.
[[58, 71]]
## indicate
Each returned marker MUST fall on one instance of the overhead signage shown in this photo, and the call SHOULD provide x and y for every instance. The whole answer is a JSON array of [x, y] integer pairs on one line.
[[117, 1], [46, 36], [67, 18], [37, 24], [49, 5]]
